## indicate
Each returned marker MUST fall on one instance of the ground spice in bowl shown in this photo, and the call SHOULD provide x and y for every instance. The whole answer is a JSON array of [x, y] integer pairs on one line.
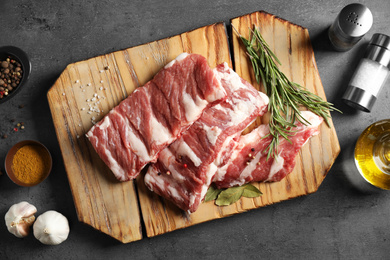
[[28, 163]]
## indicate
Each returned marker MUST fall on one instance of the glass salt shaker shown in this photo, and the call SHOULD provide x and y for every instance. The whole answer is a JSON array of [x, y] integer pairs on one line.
[[370, 74], [351, 24]]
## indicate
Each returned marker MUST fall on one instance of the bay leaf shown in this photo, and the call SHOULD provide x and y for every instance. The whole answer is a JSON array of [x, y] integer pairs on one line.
[[225, 197], [212, 193], [229, 196], [251, 191]]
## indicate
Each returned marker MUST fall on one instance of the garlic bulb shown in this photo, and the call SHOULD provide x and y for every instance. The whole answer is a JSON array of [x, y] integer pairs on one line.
[[19, 218], [51, 228]]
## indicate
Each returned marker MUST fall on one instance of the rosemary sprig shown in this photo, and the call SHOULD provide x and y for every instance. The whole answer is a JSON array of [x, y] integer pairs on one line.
[[285, 97]]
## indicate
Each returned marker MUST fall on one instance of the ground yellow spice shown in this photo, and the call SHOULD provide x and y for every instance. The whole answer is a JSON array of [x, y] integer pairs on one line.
[[30, 163]]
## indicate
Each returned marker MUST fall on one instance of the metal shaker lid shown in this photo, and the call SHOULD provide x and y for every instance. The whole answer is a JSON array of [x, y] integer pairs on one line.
[[355, 20], [381, 40], [378, 49]]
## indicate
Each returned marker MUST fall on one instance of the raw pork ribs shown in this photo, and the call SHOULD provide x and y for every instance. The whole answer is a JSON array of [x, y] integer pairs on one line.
[[133, 133], [185, 169], [248, 161]]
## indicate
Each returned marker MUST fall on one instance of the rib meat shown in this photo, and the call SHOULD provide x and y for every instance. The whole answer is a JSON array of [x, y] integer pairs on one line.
[[133, 133], [248, 161], [184, 170]]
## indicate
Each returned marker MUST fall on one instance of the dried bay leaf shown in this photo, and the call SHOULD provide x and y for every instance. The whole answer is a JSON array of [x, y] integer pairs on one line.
[[229, 196], [225, 197], [212, 193], [251, 191]]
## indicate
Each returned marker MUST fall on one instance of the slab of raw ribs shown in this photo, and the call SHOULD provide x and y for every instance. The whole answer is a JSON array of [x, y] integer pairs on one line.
[[248, 160], [133, 133], [185, 169], [187, 124]]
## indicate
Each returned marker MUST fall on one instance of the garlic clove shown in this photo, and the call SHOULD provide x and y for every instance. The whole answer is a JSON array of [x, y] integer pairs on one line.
[[51, 228], [19, 218]]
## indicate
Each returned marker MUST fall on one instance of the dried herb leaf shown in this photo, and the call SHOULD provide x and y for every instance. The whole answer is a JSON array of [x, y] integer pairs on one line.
[[225, 197], [229, 196], [212, 193], [251, 191]]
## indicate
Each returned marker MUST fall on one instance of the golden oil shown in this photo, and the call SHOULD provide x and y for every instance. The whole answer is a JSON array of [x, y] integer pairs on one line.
[[372, 154]]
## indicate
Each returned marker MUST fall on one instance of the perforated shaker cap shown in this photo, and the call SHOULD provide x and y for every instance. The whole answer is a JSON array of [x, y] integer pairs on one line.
[[355, 20]]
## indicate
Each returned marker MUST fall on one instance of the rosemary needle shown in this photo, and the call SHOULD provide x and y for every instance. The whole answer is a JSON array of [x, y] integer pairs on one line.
[[285, 97]]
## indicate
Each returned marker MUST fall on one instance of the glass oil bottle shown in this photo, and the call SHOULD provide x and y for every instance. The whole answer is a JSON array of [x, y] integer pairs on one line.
[[372, 154]]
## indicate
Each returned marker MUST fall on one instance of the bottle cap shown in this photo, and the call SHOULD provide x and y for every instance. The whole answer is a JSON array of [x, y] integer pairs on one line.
[[355, 20], [379, 49], [381, 40], [352, 23]]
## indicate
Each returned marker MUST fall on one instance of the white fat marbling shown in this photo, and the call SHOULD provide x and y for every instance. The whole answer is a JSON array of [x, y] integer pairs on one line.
[[276, 166], [212, 169], [250, 167], [230, 77], [219, 92], [264, 97], [241, 110], [181, 56], [312, 118], [105, 124], [137, 146], [114, 166], [227, 141], [160, 134], [212, 133], [184, 149], [193, 108], [153, 179], [167, 158]]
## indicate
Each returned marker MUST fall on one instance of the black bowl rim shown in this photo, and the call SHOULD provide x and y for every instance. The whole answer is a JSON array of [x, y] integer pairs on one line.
[[23, 58]]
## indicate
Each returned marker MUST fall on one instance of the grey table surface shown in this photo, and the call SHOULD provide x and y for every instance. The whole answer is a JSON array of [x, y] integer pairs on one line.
[[336, 222]]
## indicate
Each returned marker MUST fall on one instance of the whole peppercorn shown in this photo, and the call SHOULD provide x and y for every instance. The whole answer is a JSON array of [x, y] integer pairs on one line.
[[4, 64], [10, 76]]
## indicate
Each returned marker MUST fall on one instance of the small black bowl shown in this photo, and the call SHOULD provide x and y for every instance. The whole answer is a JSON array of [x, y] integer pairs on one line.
[[20, 56]]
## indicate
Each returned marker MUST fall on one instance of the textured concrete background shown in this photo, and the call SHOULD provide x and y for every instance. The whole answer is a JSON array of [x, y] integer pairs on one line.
[[336, 222]]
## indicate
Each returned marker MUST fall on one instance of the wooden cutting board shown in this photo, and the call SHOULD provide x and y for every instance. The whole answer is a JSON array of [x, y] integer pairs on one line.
[[291, 43], [87, 90]]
